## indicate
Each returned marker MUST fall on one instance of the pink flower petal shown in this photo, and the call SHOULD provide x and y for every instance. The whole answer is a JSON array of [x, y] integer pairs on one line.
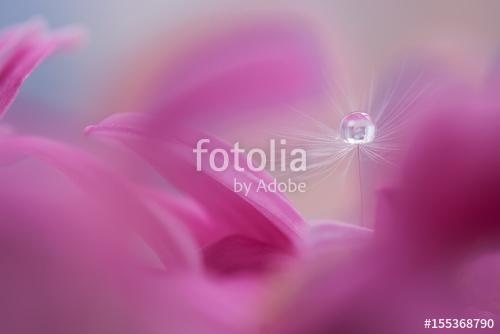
[[266, 217], [254, 67], [96, 180], [22, 49], [446, 202]]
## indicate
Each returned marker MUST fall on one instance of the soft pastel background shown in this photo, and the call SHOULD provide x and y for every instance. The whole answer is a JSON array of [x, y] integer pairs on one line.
[[127, 237], [124, 35]]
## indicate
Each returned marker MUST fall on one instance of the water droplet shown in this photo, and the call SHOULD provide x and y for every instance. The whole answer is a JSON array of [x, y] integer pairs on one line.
[[357, 128]]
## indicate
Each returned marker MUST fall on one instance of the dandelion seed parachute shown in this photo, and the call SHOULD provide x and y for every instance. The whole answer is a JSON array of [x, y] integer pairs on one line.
[[369, 129]]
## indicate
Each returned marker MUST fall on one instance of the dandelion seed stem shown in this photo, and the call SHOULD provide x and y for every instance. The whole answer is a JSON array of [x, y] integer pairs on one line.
[[361, 213]]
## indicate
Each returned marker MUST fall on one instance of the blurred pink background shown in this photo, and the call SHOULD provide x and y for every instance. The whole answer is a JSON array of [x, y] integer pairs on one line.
[[129, 40]]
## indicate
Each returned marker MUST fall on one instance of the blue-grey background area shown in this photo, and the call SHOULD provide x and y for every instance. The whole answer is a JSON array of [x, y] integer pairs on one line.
[[65, 82]]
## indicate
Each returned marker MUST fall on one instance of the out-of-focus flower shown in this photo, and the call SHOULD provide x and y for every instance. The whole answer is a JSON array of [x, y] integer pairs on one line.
[[232, 78], [436, 237], [83, 242], [81, 246]]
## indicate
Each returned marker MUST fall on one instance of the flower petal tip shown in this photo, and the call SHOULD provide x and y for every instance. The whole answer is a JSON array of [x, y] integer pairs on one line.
[[24, 47], [88, 130]]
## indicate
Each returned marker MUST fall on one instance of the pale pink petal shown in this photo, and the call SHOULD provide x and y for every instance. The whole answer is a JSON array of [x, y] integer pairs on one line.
[[335, 238], [248, 70]]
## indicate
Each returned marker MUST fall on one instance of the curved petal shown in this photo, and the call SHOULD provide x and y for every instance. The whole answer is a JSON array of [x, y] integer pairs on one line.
[[61, 262], [266, 217], [22, 49], [125, 207]]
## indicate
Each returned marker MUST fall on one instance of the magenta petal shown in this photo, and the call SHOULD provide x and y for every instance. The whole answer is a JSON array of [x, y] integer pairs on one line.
[[22, 49], [125, 207], [266, 217], [61, 262], [480, 278], [446, 203], [238, 254]]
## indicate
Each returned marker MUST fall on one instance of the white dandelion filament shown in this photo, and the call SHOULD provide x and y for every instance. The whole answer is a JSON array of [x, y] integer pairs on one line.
[[358, 129], [370, 126]]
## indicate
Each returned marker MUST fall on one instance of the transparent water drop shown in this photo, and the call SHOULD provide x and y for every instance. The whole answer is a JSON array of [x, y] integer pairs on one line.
[[357, 128]]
